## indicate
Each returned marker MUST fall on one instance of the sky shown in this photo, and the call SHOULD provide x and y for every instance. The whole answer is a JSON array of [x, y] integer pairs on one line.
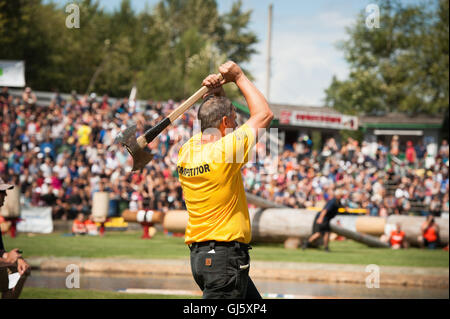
[[304, 38]]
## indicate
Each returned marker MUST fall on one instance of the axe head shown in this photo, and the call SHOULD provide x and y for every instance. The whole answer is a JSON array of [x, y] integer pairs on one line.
[[140, 156]]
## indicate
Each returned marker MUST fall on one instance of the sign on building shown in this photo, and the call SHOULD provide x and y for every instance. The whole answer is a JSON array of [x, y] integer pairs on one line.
[[320, 120]]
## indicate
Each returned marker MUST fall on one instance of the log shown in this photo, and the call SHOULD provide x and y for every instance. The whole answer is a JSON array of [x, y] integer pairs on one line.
[[176, 221], [278, 224], [370, 241], [370, 225], [100, 206], [11, 207], [261, 202], [141, 216], [271, 225]]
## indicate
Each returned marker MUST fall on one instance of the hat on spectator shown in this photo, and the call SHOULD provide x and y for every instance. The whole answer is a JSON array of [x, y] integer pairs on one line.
[[4, 186]]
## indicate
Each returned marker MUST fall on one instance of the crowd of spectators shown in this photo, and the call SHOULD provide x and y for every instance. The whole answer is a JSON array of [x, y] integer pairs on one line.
[[61, 153], [372, 174]]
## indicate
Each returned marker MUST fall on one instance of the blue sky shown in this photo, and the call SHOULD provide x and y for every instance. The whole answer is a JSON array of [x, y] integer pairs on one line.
[[304, 36]]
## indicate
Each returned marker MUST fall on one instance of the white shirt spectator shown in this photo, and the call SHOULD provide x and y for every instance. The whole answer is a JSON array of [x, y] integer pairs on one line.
[[46, 170], [57, 130], [96, 168], [61, 171], [399, 193], [377, 187], [31, 128], [112, 163]]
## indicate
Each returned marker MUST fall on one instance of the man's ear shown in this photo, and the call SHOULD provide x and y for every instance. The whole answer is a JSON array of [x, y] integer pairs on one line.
[[225, 121]]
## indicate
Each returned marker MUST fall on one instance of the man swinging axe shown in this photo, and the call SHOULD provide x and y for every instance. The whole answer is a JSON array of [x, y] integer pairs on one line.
[[209, 166]]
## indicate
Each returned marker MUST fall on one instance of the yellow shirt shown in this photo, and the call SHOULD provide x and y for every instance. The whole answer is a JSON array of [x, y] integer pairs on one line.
[[83, 134], [210, 176]]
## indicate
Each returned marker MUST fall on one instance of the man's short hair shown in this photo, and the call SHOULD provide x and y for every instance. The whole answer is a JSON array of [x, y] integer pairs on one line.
[[339, 192], [212, 110]]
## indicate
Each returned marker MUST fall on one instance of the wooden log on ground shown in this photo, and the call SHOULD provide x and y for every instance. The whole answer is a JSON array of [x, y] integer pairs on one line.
[[370, 241], [370, 225], [176, 221], [278, 224], [271, 225], [142, 216], [100, 206]]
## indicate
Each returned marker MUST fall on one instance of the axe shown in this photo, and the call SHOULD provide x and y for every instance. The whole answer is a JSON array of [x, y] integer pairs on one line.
[[137, 147]]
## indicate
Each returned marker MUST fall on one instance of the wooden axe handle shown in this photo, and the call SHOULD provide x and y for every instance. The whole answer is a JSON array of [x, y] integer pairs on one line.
[[153, 132]]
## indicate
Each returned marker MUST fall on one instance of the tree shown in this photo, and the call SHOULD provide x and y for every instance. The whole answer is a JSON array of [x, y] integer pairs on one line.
[[166, 50], [401, 66], [236, 42]]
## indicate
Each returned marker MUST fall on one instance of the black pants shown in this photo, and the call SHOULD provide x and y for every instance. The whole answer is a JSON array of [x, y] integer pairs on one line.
[[14, 293], [323, 227], [221, 270]]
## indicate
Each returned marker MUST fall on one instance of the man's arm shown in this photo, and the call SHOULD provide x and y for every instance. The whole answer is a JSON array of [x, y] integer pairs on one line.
[[12, 256], [260, 113], [321, 216]]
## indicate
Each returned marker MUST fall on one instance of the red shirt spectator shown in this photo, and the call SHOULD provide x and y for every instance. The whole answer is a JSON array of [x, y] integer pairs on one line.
[[78, 226], [397, 238], [410, 153]]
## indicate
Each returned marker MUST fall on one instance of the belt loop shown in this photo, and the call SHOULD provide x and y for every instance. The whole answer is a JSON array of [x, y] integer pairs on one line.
[[237, 245], [212, 244]]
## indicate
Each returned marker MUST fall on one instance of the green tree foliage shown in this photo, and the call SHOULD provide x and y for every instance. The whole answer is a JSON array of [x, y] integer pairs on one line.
[[165, 50], [401, 66], [236, 39]]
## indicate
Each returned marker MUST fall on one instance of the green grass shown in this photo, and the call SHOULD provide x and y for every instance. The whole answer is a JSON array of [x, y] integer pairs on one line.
[[46, 293], [113, 244], [130, 245], [351, 252]]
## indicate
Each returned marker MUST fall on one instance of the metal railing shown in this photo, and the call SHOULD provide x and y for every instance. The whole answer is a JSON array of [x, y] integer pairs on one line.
[[44, 98]]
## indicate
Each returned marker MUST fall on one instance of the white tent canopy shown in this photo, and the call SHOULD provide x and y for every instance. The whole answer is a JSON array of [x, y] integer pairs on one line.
[[12, 73]]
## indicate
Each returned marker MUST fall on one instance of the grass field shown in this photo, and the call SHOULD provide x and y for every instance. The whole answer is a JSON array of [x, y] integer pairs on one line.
[[46, 293], [130, 245]]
